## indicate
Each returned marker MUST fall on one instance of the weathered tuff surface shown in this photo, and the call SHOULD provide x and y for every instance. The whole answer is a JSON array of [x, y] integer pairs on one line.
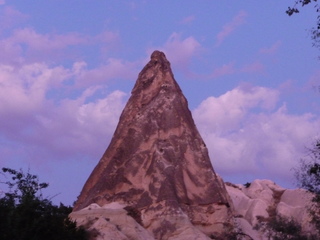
[[157, 164], [264, 197]]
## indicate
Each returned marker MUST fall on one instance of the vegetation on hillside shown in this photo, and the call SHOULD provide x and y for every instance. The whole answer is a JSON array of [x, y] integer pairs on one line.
[[25, 214], [308, 177], [281, 228]]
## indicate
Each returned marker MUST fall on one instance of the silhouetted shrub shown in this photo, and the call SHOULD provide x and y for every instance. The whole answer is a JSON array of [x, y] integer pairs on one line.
[[26, 215], [308, 177], [282, 228]]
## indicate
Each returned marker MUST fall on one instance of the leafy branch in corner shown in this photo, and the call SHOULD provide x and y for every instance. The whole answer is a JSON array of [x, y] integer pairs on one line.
[[315, 31]]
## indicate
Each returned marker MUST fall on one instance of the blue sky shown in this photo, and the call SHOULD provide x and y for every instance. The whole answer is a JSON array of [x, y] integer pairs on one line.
[[249, 72]]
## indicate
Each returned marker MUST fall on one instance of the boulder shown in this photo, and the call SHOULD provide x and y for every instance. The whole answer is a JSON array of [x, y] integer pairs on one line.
[[110, 222], [294, 204], [262, 199]]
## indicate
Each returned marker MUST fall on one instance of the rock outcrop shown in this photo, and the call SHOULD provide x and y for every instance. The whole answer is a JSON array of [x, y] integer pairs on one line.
[[157, 168], [263, 198]]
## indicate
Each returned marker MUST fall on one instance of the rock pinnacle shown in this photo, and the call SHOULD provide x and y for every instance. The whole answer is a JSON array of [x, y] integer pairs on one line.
[[157, 163]]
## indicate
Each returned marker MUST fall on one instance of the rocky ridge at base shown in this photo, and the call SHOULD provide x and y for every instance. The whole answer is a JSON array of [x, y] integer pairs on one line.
[[115, 221], [263, 198]]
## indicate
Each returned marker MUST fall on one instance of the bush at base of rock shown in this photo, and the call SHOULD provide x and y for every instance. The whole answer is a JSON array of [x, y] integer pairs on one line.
[[26, 215], [282, 228]]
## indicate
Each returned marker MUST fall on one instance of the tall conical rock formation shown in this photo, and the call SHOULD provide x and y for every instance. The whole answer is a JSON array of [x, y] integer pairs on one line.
[[157, 163]]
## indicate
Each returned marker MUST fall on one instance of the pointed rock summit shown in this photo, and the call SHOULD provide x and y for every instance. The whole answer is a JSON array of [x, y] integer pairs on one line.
[[157, 166]]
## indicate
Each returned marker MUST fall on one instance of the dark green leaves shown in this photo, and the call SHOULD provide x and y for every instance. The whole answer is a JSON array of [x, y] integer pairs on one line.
[[314, 31], [25, 214]]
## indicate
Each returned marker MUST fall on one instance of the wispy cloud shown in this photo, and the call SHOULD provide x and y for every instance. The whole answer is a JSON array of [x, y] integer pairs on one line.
[[230, 27], [225, 69], [255, 67], [314, 82], [43, 42], [9, 17], [272, 49], [28, 45], [180, 51], [113, 69], [188, 19]]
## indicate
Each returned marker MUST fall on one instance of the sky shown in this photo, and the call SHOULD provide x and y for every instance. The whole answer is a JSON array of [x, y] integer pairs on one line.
[[249, 72]]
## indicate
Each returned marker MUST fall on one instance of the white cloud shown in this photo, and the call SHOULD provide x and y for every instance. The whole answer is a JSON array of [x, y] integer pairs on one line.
[[180, 51], [230, 27], [227, 111], [247, 134], [80, 127], [23, 89], [49, 118], [112, 69]]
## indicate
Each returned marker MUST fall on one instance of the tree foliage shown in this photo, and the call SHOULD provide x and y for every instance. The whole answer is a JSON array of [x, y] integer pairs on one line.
[[315, 31], [308, 177], [294, 9], [25, 214], [277, 227], [308, 172], [282, 228]]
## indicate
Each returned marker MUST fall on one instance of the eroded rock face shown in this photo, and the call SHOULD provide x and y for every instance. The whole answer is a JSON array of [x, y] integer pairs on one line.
[[157, 163], [264, 197], [110, 221]]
